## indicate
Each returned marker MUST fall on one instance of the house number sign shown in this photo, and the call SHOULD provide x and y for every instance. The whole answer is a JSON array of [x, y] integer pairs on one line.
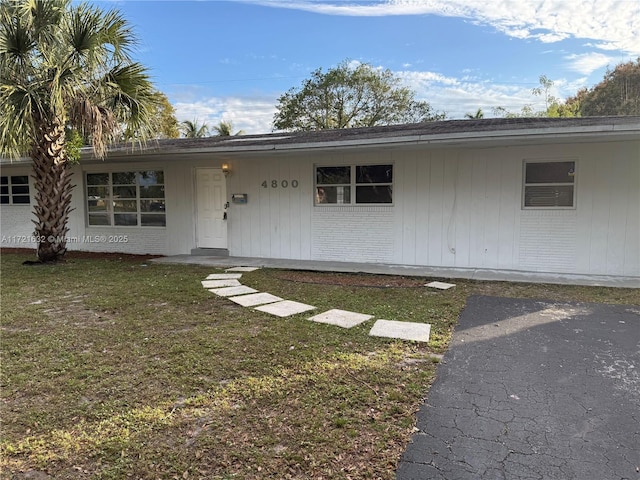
[[281, 184]]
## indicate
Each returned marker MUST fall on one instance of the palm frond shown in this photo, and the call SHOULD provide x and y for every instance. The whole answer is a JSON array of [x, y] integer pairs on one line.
[[66, 63], [191, 129], [94, 122]]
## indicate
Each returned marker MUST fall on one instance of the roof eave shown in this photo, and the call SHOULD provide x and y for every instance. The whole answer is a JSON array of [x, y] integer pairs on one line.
[[461, 138]]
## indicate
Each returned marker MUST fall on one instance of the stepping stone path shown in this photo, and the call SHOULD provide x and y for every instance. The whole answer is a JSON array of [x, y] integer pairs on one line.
[[341, 318], [228, 285], [242, 269], [285, 308], [255, 299], [224, 276], [220, 283], [231, 291], [440, 285], [402, 330]]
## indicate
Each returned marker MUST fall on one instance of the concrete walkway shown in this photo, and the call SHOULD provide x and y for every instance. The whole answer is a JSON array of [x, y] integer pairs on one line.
[[407, 270], [531, 389]]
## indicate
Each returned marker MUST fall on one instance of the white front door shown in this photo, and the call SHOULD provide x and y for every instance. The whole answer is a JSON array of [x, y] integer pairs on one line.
[[211, 196]]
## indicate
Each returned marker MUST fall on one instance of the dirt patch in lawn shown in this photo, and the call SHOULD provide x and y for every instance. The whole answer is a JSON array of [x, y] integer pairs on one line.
[[351, 280], [30, 254]]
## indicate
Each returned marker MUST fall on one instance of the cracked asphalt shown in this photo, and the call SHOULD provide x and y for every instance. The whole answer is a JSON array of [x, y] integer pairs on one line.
[[533, 390]]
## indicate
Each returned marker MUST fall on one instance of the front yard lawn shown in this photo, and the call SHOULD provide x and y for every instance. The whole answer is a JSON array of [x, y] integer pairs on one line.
[[120, 368]]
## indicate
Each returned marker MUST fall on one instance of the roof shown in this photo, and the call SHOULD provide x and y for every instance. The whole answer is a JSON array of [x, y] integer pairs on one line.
[[439, 132], [486, 132]]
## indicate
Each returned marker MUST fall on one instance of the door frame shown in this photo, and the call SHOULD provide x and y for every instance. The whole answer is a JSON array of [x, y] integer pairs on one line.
[[224, 238]]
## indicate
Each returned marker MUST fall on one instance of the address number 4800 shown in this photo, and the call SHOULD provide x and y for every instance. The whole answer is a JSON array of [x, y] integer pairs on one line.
[[281, 184]]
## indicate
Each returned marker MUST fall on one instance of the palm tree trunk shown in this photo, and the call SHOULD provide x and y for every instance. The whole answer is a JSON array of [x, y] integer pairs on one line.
[[53, 192]]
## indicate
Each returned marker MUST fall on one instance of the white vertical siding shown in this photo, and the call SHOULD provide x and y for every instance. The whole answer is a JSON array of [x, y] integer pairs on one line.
[[275, 222], [508, 207], [608, 209], [463, 209], [453, 207], [180, 208]]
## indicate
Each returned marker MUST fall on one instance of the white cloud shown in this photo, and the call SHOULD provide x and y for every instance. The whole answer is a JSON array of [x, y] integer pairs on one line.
[[588, 62], [458, 96], [466, 97], [612, 24], [426, 79], [250, 114], [455, 96], [552, 37]]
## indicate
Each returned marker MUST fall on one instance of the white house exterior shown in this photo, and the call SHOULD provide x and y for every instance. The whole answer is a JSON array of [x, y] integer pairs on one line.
[[526, 195]]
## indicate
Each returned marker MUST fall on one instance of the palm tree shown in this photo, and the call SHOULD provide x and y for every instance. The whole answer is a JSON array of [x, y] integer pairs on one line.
[[479, 114], [224, 129], [191, 129], [65, 65]]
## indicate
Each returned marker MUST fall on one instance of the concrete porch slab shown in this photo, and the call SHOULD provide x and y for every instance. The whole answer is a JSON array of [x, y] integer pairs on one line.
[[440, 285], [341, 318], [242, 269], [231, 291], [407, 270], [418, 332], [255, 299], [285, 308], [220, 283], [223, 276]]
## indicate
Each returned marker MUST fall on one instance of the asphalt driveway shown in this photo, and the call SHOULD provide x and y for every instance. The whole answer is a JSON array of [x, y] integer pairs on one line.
[[533, 390]]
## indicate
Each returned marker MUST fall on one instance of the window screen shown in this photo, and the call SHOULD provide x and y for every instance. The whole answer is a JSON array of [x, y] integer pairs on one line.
[[549, 184]]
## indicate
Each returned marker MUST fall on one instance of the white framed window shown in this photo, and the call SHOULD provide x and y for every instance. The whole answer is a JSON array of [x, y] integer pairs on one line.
[[354, 185], [549, 184], [14, 190], [126, 199]]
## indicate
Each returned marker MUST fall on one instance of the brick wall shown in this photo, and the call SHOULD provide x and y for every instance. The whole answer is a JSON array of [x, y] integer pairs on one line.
[[352, 234], [548, 241]]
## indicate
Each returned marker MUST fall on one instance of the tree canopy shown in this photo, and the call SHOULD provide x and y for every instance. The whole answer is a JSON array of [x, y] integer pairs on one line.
[[617, 94], [162, 120], [66, 66], [165, 124], [350, 96]]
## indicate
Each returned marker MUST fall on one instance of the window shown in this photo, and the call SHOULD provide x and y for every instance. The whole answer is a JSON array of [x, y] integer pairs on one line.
[[354, 184], [549, 184], [126, 199], [14, 190]]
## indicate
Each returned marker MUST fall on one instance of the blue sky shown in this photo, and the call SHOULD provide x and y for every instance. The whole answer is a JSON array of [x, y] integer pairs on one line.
[[231, 60]]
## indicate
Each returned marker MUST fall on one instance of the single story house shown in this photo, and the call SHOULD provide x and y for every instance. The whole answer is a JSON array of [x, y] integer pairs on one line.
[[547, 195]]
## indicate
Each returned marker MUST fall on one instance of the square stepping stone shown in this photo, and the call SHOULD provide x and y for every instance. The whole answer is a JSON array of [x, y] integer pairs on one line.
[[285, 308], [418, 332], [440, 285], [255, 299], [230, 291], [223, 276], [242, 269], [220, 283], [341, 318]]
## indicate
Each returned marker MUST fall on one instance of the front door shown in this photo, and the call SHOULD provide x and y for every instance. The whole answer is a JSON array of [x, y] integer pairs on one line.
[[211, 196]]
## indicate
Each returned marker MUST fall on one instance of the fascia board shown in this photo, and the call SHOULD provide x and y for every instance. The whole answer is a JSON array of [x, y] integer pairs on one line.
[[509, 137]]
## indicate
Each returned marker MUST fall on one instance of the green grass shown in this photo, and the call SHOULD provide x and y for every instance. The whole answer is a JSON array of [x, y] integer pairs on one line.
[[121, 369]]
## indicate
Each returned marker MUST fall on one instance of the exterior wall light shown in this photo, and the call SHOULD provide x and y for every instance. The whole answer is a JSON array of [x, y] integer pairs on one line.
[[226, 169]]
